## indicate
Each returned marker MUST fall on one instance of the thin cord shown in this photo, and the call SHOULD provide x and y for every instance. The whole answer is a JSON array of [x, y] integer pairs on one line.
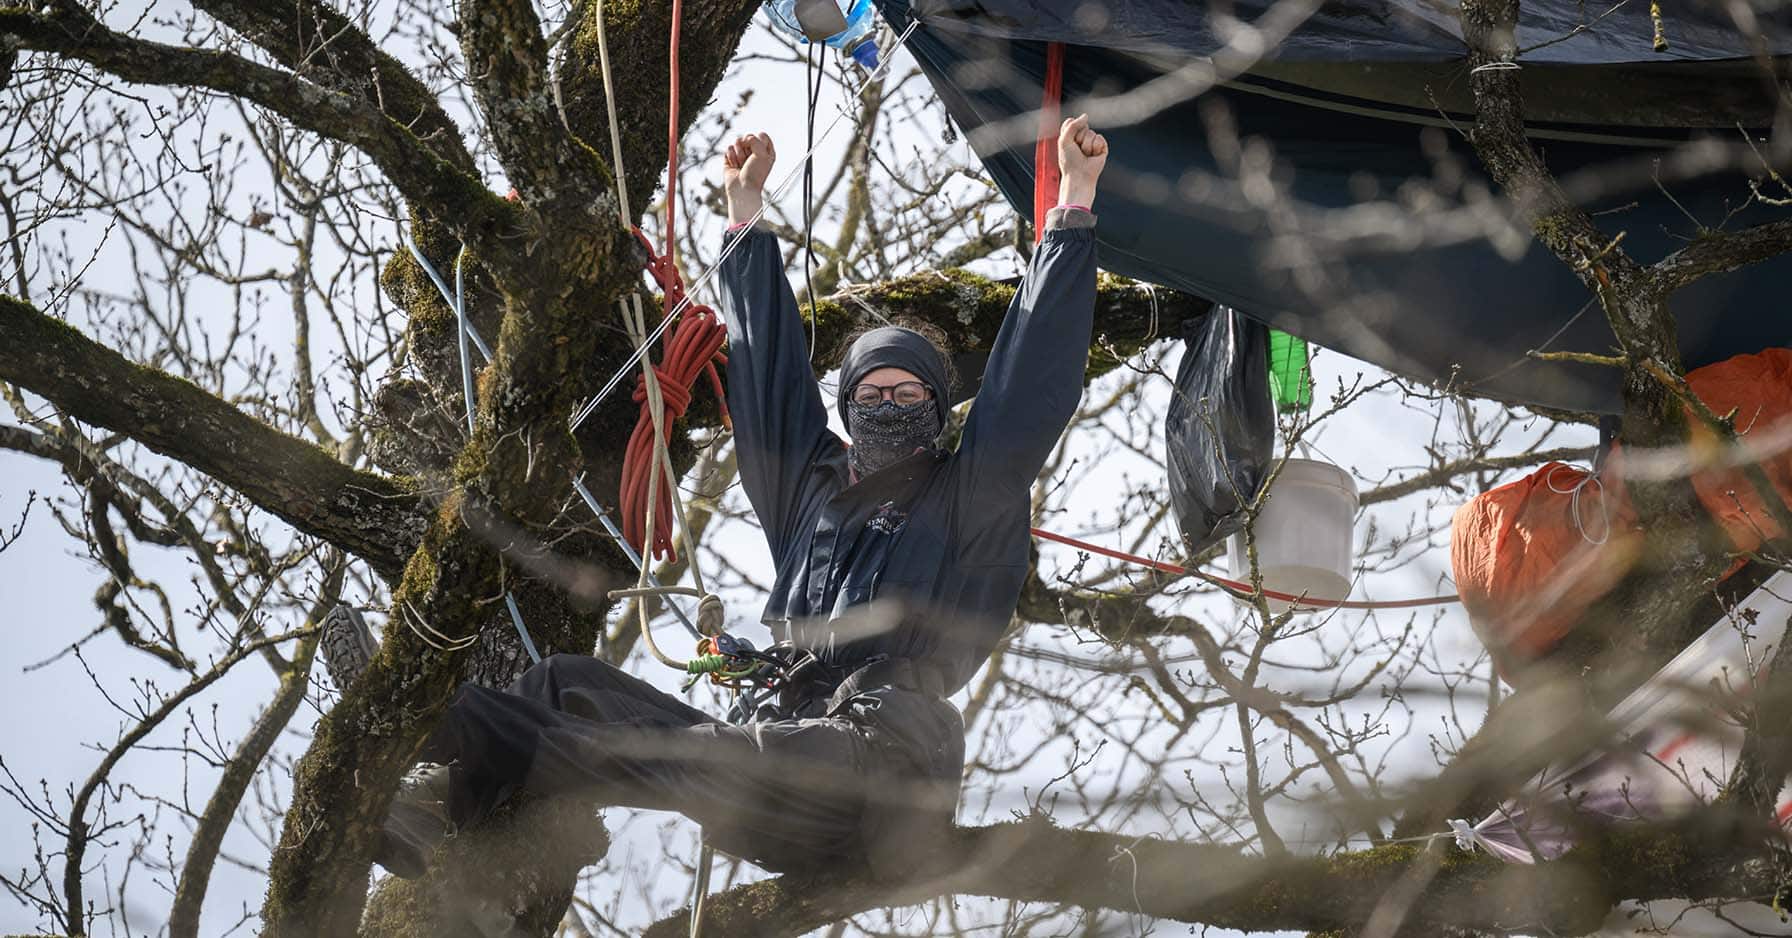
[[628, 550], [812, 81], [1574, 492], [1239, 588]]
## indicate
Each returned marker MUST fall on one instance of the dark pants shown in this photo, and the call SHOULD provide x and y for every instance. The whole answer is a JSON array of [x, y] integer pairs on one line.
[[872, 776]]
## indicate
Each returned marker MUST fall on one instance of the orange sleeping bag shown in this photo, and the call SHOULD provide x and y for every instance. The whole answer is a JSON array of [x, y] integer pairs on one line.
[[1526, 570], [1531, 556], [1758, 388]]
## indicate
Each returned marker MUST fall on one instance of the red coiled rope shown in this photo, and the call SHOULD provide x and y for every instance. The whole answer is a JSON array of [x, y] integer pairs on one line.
[[693, 346]]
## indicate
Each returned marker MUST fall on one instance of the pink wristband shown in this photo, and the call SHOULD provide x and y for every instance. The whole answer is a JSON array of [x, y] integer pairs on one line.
[[1077, 205]]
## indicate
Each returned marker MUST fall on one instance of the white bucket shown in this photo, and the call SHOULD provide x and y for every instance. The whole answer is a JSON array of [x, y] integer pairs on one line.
[[1303, 534]]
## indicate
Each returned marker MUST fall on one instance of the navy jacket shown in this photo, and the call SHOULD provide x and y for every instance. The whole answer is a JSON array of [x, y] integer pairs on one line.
[[924, 559]]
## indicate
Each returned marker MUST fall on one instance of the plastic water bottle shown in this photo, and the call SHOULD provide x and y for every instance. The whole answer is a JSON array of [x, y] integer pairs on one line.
[[846, 25]]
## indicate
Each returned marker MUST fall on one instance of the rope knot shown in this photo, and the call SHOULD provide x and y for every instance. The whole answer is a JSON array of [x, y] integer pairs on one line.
[[710, 614], [675, 393]]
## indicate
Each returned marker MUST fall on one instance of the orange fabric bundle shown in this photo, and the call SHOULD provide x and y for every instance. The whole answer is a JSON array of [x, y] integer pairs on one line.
[[1531, 556], [1758, 388]]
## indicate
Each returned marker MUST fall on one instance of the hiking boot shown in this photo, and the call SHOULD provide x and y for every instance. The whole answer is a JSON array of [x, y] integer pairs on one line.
[[347, 645], [417, 823]]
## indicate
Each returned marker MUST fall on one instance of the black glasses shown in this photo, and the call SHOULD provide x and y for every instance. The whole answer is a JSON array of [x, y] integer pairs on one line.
[[904, 394]]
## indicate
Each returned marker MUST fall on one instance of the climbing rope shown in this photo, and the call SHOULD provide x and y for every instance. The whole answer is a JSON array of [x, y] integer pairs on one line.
[[694, 346], [709, 609], [663, 392]]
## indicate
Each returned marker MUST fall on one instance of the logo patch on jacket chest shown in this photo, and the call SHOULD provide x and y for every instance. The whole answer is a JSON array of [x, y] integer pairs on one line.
[[888, 520]]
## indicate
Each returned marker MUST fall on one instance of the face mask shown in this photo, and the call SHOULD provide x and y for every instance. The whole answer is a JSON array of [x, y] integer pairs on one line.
[[883, 434]]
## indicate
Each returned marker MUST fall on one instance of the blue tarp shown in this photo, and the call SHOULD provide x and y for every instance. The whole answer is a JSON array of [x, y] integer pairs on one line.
[[1366, 102]]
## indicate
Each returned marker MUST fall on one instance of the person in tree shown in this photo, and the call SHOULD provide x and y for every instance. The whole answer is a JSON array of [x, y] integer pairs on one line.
[[898, 566]]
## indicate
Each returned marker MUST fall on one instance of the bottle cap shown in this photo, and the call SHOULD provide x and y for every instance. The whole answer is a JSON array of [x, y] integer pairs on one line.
[[865, 53]]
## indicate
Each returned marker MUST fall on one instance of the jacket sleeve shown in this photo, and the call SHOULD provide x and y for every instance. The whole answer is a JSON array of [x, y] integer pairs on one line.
[[781, 430], [1034, 378]]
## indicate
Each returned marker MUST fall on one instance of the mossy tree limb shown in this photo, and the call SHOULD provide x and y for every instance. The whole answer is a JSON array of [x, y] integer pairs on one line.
[[1035, 861], [369, 515]]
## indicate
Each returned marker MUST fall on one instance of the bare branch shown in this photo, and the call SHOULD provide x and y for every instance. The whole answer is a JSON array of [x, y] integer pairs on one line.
[[450, 192], [368, 515], [1716, 252], [320, 44]]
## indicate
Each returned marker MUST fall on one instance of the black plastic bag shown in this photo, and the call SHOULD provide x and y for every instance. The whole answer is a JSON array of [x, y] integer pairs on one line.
[[1220, 430]]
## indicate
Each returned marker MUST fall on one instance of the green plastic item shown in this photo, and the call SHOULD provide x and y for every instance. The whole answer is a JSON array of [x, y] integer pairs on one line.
[[1290, 376]]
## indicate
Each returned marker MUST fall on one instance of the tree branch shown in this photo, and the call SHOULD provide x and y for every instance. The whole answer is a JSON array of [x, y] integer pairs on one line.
[[1033, 861], [1716, 252], [371, 516], [639, 59], [1766, 756], [320, 44], [452, 193], [220, 808], [1446, 473], [507, 65], [969, 308], [78, 832]]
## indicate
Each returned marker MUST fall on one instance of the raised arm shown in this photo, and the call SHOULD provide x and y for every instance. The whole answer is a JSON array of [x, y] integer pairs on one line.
[[780, 426], [1035, 373]]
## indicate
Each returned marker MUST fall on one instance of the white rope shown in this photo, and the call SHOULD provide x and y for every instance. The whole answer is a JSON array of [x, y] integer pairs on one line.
[[728, 249], [709, 605], [441, 641], [616, 164], [458, 302], [1574, 493]]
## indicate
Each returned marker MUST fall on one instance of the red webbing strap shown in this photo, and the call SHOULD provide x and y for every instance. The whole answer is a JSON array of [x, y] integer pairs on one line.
[[1045, 151]]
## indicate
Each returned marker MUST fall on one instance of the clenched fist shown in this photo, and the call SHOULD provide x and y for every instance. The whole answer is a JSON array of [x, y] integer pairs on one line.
[[1082, 153], [745, 166]]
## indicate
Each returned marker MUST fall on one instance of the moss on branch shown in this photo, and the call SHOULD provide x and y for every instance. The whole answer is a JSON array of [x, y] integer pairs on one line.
[[1035, 861], [372, 516]]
